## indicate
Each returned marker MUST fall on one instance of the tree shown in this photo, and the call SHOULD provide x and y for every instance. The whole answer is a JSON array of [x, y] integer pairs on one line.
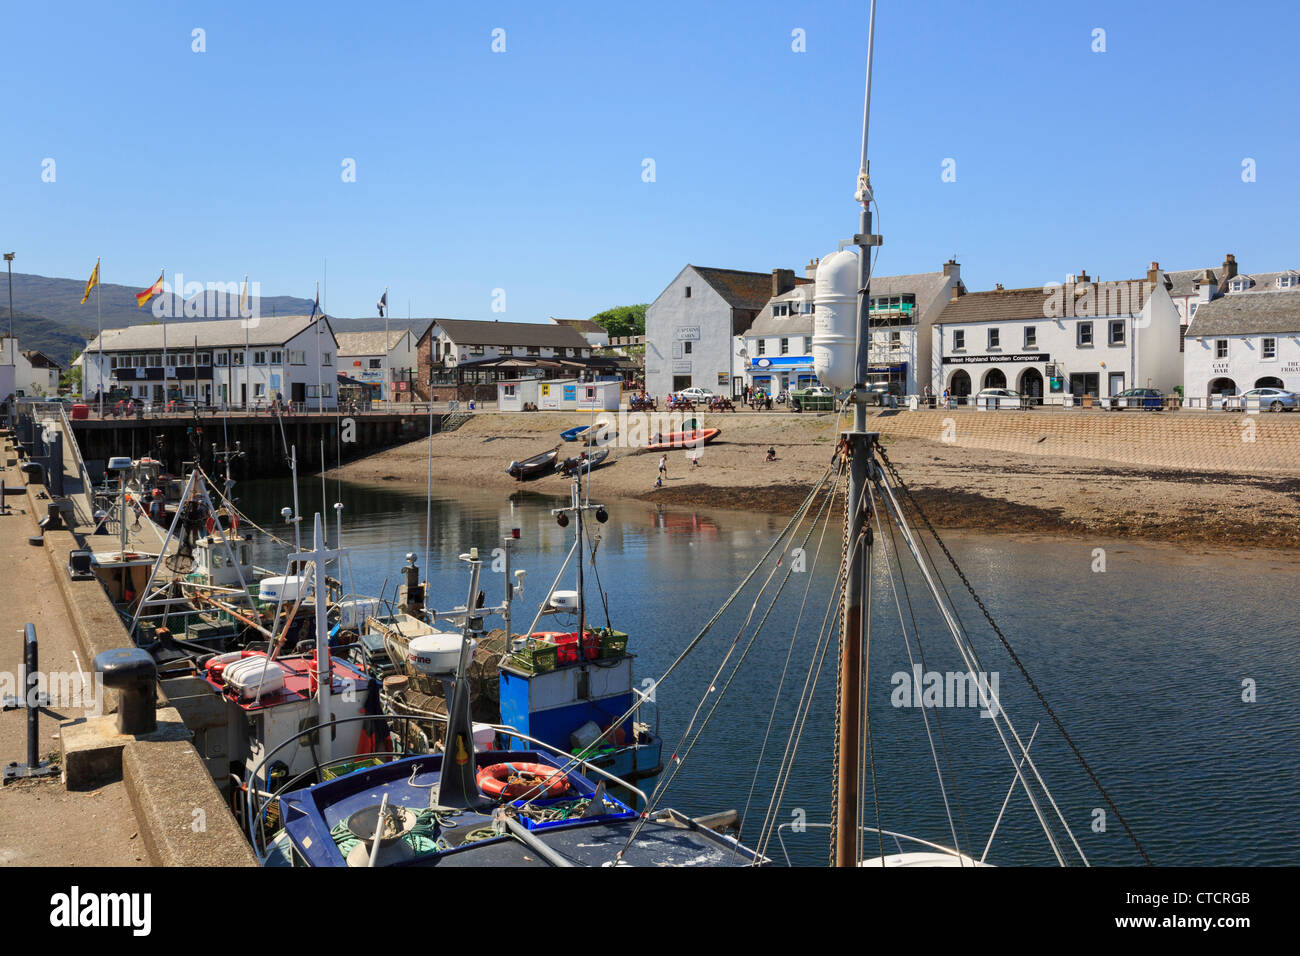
[[622, 320]]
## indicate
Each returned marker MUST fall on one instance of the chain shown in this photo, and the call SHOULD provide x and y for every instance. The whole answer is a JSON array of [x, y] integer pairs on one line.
[[916, 506]]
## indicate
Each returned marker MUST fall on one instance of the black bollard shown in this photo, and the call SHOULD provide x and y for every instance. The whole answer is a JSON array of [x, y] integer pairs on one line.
[[32, 702], [131, 671]]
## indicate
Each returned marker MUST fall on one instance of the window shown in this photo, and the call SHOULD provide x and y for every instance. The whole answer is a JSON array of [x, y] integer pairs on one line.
[[185, 360], [1194, 305], [807, 344], [374, 363], [686, 347], [325, 358], [223, 358], [1268, 348], [995, 336], [297, 357], [1084, 335], [237, 358], [155, 361], [895, 338], [959, 340], [785, 346], [476, 350], [1117, 332], [1240, 285], [1031, 337], [259, 358], [1286, 282], [688, 292], [762, 346], [1220, 348], [259, 390], [277, 357], [534, 350]]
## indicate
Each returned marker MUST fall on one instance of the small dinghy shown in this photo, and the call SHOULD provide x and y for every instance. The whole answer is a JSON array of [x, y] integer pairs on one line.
[[534, 467], [684, 439], [600, 430], [582, 463]]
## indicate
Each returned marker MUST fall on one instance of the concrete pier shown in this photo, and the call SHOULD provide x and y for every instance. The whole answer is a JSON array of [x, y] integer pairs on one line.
[[148, 800]]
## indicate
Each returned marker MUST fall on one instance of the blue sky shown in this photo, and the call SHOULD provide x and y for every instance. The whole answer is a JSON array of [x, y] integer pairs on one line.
[[522, 170]]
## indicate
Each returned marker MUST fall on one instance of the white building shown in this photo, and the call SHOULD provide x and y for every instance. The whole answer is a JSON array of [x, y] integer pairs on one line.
[[385, 362], [218, 363], [1078, 338], [695, 329], [33, 373], [778, 346], [1244, 340]]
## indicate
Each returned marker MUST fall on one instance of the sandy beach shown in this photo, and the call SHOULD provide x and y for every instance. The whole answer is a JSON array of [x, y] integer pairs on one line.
[[958, 483]]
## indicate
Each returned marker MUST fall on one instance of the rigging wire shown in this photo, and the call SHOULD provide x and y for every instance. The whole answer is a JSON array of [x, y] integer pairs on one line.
[[907, 492]]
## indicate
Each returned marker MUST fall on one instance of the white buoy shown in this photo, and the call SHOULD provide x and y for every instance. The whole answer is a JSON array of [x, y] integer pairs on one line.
[[835, 320]]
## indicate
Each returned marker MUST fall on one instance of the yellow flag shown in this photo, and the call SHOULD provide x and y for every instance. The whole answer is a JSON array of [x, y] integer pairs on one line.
[[91, 283]]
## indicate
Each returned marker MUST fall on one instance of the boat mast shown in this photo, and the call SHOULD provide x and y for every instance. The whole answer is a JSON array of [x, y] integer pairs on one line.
[[856, 615]]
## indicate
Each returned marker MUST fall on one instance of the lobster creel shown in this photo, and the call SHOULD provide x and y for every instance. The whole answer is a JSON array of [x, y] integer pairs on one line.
[[514, 780]]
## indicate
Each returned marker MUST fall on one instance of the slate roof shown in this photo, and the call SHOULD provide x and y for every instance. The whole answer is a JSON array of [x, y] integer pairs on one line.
[[742, 290], [1248, 313], [1000, 305], [579, 325], [40, 359], [367, 343], [211, 333], [476, 332]]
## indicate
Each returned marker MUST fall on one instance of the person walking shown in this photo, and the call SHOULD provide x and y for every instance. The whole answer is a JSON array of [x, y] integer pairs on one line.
[[663, 467]]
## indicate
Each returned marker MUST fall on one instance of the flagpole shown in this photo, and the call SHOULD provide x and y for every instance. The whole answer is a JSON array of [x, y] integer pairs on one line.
[[320, 399], [99, 321], [385, 386]]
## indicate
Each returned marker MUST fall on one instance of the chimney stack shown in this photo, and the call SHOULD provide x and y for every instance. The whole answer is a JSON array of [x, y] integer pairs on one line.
[[1083, 277], [810, 270], [782, 281], [952, 270], [1229, 268], [1153, 274]]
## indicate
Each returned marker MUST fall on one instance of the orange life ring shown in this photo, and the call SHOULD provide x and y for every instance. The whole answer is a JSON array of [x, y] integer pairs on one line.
[[513, 780]]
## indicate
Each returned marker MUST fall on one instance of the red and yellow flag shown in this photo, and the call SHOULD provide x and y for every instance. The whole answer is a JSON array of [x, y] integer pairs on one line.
[[142, 298], [91, 282]]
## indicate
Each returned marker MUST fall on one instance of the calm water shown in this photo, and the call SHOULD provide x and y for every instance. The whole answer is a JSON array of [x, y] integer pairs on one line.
[[1144, 664]]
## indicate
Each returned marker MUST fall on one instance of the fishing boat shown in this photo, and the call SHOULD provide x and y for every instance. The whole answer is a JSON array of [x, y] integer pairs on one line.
[[687, 438], [582, 463], [535, 467], [522, 800], [599, 432]]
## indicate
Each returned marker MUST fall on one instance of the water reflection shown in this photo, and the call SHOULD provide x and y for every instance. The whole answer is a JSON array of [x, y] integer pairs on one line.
[[1144, 663]]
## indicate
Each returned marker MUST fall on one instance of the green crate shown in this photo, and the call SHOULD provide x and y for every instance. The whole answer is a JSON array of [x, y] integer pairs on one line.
[[612, 643], [537, 657]]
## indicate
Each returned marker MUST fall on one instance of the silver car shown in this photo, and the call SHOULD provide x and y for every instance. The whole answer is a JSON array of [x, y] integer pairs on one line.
[[1272, 399], [998, 398]]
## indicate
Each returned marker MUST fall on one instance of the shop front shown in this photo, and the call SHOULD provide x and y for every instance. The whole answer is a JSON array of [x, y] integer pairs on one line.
[[777, 374]]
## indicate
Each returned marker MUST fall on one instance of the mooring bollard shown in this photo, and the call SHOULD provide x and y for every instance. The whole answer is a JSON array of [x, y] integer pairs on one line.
[[131, 671], [32, 701]]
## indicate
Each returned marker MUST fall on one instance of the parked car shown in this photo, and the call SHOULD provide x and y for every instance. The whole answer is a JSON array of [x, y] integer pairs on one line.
[[1272, 399], [694, 394], [998, 398], [877, 392], [815, 398], [1149, 398]]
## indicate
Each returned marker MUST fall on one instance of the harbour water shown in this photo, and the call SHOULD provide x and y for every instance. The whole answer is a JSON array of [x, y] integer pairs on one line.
[[1147, 663]]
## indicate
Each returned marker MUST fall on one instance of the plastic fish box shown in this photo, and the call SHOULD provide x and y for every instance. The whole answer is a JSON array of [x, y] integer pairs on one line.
[[626, 813]]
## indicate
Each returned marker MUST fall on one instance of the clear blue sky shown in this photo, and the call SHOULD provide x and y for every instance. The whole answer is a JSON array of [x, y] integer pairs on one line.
[[522, 170]]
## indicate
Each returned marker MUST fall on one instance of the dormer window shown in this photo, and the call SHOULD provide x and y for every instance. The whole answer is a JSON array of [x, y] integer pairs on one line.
[[1286, 282], [1240, 285]]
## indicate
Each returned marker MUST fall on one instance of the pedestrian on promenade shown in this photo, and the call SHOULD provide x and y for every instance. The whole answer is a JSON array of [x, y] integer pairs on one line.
[[663, 467], [947, 398]]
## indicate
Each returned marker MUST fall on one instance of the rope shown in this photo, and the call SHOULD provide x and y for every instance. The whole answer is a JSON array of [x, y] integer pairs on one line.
[[1011, 651]]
